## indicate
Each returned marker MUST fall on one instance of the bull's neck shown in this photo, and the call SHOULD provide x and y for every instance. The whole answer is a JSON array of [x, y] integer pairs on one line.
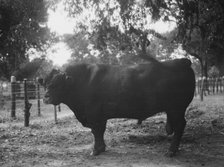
[[73, 103], [78, 109]]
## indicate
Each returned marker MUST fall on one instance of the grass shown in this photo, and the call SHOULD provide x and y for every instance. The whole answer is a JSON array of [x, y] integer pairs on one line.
[[68, 143]]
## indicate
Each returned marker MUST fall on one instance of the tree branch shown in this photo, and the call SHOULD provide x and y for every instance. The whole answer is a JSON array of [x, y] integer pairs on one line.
[[195, 55]]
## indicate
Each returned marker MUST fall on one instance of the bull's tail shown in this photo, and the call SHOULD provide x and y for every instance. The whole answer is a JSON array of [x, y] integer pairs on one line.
[[178, 64]]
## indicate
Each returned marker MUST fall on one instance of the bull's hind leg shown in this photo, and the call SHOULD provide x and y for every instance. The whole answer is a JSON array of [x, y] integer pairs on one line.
[[177, 123], [98, 133], [169, 128]]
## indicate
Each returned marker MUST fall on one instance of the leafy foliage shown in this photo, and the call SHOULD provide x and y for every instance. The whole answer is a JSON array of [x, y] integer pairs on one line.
[[119, 28], [21, 27], [38, 67], [124, 25], [201, 31], [116, 31]]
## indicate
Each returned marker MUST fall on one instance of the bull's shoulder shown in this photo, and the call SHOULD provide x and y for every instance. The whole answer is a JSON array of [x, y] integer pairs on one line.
[[178, 63]]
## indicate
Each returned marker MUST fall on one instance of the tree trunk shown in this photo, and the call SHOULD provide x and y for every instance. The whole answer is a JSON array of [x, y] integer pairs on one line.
[[204, 75], [143, 53], [204, 67]]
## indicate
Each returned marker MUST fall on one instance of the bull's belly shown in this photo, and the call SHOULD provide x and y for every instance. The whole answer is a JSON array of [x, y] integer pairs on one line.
[[134, 111]]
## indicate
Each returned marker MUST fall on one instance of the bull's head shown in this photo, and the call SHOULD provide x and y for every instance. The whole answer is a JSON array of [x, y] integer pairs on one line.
[[56, 86]]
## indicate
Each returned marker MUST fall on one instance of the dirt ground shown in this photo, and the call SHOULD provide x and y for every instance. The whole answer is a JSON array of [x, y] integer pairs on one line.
[[68, 144]]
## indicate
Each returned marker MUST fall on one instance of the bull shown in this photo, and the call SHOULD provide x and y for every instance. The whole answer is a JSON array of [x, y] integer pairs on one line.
[[98, 92]]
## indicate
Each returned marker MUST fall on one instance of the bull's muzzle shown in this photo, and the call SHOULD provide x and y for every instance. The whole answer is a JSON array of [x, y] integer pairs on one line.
[[46, 99]]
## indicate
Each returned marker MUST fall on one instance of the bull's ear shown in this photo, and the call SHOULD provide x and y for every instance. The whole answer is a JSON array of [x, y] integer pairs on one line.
[[40, 81]]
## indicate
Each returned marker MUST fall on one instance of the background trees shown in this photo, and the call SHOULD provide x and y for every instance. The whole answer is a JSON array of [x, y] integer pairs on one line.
[[116, 31], [119, 30], [201, 32], [124, 27], [21, 27]]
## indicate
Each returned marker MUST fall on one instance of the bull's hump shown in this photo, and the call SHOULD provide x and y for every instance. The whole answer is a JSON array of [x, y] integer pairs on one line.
[[185, 62]]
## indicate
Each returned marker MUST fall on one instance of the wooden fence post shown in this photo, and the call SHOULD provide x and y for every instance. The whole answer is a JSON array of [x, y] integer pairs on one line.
[[222, 83], [55, 114], [13, 94], [196, 87], [27, 105], [38, 98], [199, 85], [213, 85], [209, 83], [202, 88], [217, 85], [59, 108]]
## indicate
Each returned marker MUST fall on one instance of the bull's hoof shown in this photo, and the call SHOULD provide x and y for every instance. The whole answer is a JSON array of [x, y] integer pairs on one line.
[[97, 151], [139, 122], [169, 130], [171, 153]]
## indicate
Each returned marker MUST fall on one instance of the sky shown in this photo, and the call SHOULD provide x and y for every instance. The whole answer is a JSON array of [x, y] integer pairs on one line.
[[59, 23], [59, 53]]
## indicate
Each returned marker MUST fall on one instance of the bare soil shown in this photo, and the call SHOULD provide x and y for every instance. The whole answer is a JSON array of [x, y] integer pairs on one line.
[[67, 143]]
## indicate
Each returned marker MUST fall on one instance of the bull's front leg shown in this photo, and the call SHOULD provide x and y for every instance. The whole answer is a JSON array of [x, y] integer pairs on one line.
[[98, 133]]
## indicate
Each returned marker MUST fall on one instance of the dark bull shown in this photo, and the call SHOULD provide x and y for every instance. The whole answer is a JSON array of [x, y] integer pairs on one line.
[[98, 92]]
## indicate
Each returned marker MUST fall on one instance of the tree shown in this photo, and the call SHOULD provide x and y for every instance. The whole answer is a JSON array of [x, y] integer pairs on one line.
[[199, 26], [21, 27], [201, 32], [38, 67], [117, 28]]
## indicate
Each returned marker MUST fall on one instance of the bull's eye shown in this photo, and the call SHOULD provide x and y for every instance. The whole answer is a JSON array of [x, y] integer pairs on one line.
[[52, 86]]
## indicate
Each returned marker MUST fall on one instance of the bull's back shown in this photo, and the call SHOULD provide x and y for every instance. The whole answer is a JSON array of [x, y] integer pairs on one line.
[[146, 89]]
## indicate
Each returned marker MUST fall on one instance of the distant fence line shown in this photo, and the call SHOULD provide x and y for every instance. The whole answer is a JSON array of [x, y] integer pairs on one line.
[[25, 90], [209, 86]]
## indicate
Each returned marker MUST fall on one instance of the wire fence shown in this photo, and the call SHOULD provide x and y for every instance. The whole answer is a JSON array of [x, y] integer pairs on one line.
[[17, 98], [209, 86]]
